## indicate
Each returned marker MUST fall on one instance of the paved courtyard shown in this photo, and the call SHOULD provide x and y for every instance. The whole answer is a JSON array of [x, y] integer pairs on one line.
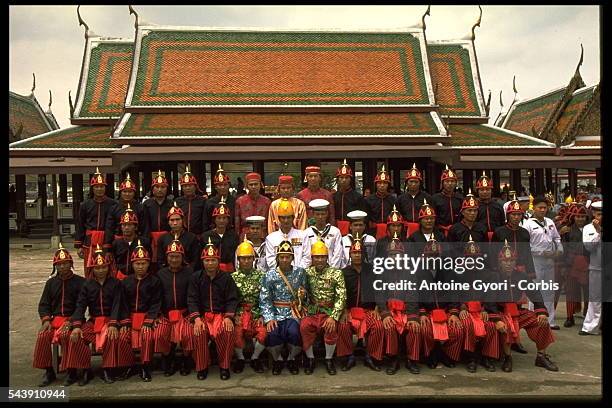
[[578, 358]]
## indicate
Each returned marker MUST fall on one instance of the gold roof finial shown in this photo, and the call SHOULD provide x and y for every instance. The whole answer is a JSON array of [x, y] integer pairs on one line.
[[477, 24]]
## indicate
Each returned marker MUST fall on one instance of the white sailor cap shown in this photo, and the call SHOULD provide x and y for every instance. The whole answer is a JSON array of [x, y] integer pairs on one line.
[[522, 198], [357, 215], [597, 205], [255, 219], [319, 204]]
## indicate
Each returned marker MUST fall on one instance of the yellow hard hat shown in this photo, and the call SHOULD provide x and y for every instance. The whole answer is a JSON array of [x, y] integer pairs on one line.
[[285, 208], [245, 248], [318, 248]]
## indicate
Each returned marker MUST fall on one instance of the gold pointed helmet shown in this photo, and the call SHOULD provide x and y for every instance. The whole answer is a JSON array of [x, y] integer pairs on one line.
[[318, 248]]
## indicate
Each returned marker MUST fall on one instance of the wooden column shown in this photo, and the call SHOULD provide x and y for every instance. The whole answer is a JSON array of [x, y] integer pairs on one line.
[[549, 181], [468, 181], [496, 183], [147, 178], [515, 181], [539, 181], [63, 188], [77, 194], [172, 177], [198, 169], [531, 182], [110, 185], [369, 172], [572, 176], [432, 176], [42, 192], [397, 179], [20, 199], [55, 205]]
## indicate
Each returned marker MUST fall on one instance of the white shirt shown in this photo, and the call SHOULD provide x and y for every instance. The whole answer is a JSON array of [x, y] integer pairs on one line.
[[592, 243], [543, 236], [369, 243], [274, 239], [333, 241]]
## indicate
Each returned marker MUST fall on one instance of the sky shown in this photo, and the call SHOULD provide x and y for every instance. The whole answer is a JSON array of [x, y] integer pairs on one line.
[[538, 44]]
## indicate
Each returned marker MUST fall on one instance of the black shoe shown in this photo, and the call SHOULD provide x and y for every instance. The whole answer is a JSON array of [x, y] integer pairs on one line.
[[432, 361], [487, 364], [369, 362], [106, 376], [555, 327], [71, 377], [507, 365], [129, 372], [447, 361], [569, 323], [48, 377], [393, 367], [145, 373], [185, 366], [584, 333], [348, 363], [238, 366], [293, 367], [202, 374], [471, 366], [168, 365], [329, 366], [257, 365], [413, 367], [518, 347], [309, 366], [277, 367], [224, 373], [543, 360], [84, 376]]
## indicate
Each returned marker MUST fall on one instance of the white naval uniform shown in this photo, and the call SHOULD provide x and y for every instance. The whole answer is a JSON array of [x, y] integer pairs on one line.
[[544, 237], [333, 240], [369, 242], [592, 242], [274, 239]]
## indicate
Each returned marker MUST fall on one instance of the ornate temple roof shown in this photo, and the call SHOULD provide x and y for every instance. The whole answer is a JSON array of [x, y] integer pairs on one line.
[[202, 68], [103, 82], [26, 117]]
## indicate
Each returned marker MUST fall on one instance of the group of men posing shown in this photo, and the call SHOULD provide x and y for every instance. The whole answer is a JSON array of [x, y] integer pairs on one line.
[[194, 272]]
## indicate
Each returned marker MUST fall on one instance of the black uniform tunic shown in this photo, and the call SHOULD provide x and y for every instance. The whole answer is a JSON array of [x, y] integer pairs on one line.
[[100, 300], [210, 205], [59, 297], [142, 296], [410, 206], [380, 207], [92, 216], [190, 244], [175, 286], [113, 220], [448, 209], [219, 295], [491, 214], [194, 209], [345, 202], [122, 251], [519, 241], [156, 215], [227, 244]]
